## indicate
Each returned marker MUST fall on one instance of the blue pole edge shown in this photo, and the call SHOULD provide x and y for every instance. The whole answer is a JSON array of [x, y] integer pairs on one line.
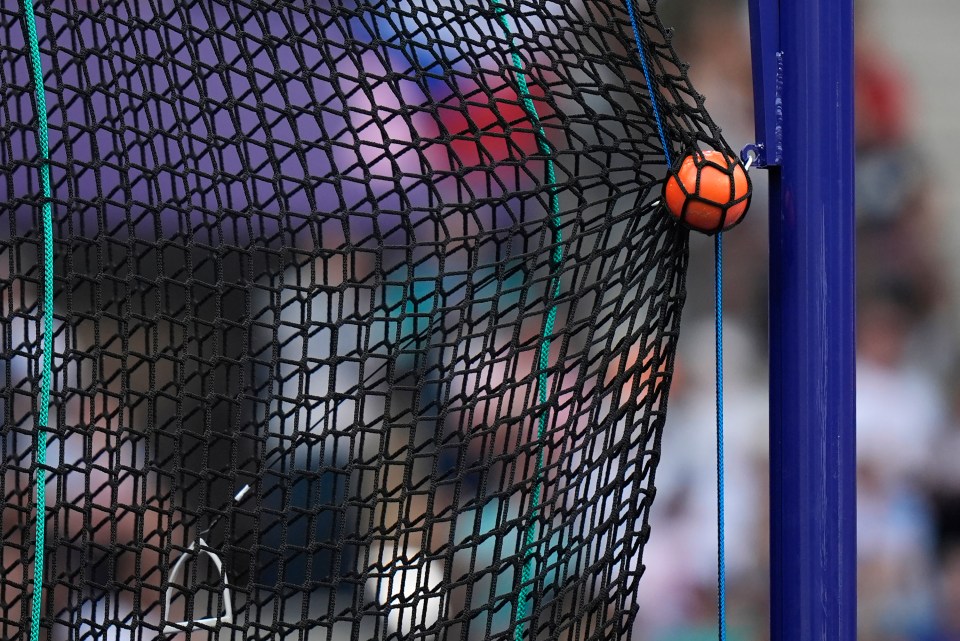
[[805, 128]]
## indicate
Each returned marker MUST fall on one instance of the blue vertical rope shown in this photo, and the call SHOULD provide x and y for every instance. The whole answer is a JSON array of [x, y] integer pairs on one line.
[[638, 38], [43, 402], [721, 552], [543, 353], [721, 548]]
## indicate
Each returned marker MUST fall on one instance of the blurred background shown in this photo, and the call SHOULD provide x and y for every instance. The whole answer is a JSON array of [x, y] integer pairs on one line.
[[908, 425], [907, 93]]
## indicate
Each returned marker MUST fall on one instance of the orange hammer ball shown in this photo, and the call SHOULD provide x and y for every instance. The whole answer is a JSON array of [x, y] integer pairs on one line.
[[709, 193]]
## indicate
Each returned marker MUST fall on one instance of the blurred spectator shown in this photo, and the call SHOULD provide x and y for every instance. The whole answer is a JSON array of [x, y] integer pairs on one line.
[[899, 407]]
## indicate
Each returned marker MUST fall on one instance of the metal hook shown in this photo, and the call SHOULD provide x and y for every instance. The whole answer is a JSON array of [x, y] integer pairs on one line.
[[227, 617], [196, 549], [752, 155]]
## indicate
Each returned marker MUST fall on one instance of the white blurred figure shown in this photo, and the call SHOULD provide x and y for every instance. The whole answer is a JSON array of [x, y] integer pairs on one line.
[[321, 384], [900, 416], [900, 408], [407, 586]]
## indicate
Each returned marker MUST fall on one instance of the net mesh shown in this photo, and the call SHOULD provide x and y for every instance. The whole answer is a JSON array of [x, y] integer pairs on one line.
[[364, 316]]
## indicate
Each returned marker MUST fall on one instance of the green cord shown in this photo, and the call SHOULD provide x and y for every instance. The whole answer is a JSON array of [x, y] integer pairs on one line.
[[543, 359], [47, 267]]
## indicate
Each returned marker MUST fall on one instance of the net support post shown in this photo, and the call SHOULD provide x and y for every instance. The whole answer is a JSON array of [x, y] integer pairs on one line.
[[812, 316], [767, 59]]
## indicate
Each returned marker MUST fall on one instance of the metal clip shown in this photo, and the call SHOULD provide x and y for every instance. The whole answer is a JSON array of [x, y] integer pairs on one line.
[[196, 549]]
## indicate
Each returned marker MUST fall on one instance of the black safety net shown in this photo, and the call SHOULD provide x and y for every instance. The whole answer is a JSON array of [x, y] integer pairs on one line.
[[363, 322]]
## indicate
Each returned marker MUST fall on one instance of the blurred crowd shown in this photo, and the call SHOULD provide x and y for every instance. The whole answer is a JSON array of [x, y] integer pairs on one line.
[[908, 403]]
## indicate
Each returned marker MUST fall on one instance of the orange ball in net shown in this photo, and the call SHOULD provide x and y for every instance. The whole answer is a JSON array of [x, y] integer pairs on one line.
[[710, 192]]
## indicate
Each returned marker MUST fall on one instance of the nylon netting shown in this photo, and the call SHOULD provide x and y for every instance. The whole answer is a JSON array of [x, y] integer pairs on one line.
[[308, 253]]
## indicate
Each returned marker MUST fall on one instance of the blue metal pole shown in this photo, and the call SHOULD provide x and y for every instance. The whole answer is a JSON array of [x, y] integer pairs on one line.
[[812, 411]]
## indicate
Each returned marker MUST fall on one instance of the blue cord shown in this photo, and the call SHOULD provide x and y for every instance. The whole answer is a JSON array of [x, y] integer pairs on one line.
[[721, 555], [721, 548], [646, 74]]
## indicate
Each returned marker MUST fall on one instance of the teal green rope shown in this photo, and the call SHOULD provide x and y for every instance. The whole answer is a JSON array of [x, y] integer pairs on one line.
[[46, 363], [543, 355]]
